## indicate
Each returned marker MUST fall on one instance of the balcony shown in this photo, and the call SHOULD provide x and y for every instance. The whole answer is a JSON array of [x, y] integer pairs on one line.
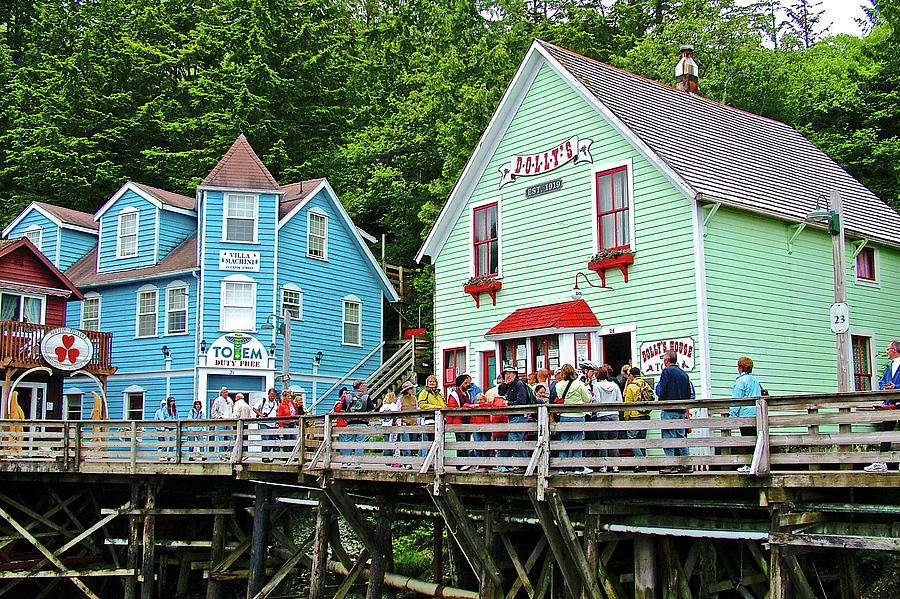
[[20, 347]]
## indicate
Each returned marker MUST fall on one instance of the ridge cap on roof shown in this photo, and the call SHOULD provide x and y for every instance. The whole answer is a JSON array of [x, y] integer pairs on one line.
[[660, 84]]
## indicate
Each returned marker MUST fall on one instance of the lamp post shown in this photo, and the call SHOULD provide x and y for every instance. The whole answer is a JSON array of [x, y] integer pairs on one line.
[[167, 356], [285, 330], [840, 323], [317, 359]]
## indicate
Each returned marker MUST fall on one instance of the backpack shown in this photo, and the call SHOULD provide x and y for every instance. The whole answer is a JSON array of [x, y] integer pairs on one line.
[[530, 397], [357, 402], [645, 394]]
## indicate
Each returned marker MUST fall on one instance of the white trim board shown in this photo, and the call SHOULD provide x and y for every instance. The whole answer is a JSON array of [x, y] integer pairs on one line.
[[52, 218]]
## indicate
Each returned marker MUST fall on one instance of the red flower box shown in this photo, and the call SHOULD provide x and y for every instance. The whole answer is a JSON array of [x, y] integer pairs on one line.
[[489, 287], [620, 262]]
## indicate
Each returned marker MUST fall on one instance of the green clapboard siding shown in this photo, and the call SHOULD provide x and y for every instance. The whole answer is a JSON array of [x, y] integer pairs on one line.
[[547, 239], [773, 306]]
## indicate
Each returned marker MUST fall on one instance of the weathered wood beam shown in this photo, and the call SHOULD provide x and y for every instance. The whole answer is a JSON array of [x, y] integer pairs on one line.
[[437, 550], [521, 571], [148, 550], [318, 569], [558, 545], [46, 552], [380, 560], [487, 586], [68, 573], [352, 515], [583, 570], [219, 534], [544, 576], [282, 572], [645, 583], [529, 564], [848, 577], [708, 569], [260, 539], [802, 588], [464, 533], [835, 541], [676, 584], [353, 575]]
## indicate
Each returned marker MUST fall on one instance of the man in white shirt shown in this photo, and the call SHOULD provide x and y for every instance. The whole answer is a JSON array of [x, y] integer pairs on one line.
[[267, 407], [890, 381], [242, 409], [222, 409]]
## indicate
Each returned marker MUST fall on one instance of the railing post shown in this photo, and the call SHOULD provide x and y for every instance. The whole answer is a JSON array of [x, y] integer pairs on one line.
[[326, 440], [238, 451], [132, 450], [66, 427], [178, 441], [439, 449], [761, 461], [77, 445], [543, 467]]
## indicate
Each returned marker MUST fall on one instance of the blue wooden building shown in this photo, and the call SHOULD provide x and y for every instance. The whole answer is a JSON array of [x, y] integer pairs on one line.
[[187, 285]]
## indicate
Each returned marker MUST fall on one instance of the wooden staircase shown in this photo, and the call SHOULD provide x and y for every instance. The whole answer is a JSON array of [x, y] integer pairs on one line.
[[400, 367]]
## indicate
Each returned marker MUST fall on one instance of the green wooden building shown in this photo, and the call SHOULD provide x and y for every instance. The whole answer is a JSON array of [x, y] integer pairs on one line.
[[693, 215]]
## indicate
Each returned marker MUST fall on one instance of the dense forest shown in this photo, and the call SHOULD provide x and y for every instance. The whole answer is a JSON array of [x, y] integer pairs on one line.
[[388, 98]]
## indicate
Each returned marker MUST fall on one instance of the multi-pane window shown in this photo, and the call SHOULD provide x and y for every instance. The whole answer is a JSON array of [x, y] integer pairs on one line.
[[865, 264], [73, 406], [33, 234], [512, 353], [454, 365], [127, 238], [21, 308], [613, 221], [292, 302], [90, 314], [146, 313], [134, 403], [862, 363], [486, 240], [237, 305], [240, 218], [317, 236], [352, 322], [545, 352], [176, 310]]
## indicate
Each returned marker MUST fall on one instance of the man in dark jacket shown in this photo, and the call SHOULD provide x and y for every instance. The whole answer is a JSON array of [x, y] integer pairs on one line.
[[674, 384], [357, 401], [515, 396]]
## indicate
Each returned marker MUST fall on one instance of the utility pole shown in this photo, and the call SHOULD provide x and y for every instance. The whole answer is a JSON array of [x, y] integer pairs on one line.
[[286, 354], [839, 257]]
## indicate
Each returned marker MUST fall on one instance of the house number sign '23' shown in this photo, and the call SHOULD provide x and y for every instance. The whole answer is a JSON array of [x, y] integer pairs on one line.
[[840, 318], [66, 349]]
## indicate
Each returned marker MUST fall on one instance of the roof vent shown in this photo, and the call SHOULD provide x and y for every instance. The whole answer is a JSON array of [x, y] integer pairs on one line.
[[686, 71]]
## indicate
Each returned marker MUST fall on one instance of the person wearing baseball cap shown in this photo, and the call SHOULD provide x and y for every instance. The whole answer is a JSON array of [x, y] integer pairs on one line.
[[515, 396], [408, 403]]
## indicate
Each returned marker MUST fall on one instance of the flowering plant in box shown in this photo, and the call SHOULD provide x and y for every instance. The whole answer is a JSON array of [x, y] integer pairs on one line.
[[606, 254], [480, 280]]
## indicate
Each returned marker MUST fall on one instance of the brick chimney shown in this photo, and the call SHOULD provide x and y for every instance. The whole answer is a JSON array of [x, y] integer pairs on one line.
[[686, 71]]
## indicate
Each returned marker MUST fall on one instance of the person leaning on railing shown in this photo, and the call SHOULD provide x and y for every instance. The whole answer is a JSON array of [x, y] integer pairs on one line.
[[572, 391], [674, 384], [430, 399], [407, 401], [890, 381], [637, 390], [745, 385]]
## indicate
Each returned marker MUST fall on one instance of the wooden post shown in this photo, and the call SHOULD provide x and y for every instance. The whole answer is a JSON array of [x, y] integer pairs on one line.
[[778, 576], [676, 585], [708, 569], [487, 586], [437, 548], [645, 567], [217, 550], [381, 559], [259, 546], [848, 576], [148, 543], [591, 546], [324, 515], [131, 559]]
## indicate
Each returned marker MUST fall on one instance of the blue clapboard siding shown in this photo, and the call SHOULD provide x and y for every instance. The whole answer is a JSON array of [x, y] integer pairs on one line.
[[118, 315], [347, 271], [154, 388], [174, 228], [73, 246], [49, 232], [109, 225], [212, 211]]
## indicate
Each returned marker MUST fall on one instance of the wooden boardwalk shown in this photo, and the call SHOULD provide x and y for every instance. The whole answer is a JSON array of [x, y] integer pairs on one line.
[[493, 487]]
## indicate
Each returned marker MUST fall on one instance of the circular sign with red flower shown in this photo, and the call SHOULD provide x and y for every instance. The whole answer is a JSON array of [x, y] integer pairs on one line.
[[67, 349]]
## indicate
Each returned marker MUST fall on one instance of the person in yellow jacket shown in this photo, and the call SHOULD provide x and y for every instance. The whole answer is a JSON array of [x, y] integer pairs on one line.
[[637, 390], [430, 399]]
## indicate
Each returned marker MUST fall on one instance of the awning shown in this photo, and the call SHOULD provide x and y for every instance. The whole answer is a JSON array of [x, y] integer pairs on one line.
[[567, 317]]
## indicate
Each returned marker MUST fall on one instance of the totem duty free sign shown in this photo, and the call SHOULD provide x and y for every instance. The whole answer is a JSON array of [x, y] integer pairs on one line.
[[536, 190]]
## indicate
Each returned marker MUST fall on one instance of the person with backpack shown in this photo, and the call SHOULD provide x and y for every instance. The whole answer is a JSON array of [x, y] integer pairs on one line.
[[357, 401], [637, 390], [517, 394], [606, 391]]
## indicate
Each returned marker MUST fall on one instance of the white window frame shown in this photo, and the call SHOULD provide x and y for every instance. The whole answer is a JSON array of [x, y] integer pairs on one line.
[[242, 279], [595, 226], [22, 297], [66, 395], [472, 208], [126, 405], [31, 231], [138, 314], [876, 282], [290, 287], [351, 299], [182, 287], [225, 217], [90, 297], [319, 213], [129, 211]]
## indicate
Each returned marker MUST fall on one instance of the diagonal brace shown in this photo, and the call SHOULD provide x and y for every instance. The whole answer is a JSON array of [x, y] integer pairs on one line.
[[354, 517]]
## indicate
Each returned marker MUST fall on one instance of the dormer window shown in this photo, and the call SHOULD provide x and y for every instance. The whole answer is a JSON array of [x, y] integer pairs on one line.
[[33, 234], [127, 234], [317, 235], [240, 218]]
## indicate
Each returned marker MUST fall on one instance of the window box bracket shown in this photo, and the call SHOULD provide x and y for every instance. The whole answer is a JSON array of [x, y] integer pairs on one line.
[[489, 287], [621, 262]]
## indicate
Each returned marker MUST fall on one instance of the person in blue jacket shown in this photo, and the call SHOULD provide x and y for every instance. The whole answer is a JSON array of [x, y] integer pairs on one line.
[[745, 385], [890, 381]]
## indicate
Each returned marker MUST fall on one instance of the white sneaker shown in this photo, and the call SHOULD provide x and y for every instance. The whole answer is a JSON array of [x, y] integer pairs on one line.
[[615, 468], [585, 471], [744, 469], [876, 467], [600, 469]]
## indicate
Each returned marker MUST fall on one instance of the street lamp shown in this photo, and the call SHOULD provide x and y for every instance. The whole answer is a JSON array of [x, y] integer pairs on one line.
[[317, 360], [285, 330], [840, 310]]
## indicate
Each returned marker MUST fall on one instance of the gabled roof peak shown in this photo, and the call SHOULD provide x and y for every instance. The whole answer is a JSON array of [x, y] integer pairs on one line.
[[240, 168]]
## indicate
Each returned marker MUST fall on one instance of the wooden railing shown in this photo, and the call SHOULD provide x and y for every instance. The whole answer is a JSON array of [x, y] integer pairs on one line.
[[20, 346], [399, 367], [794, 434], [400, 277]]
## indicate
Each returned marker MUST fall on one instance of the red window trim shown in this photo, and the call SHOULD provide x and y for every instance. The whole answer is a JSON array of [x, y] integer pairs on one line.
[[451, 350], [870, 252], [487, 384], [854, 340], [599, 214], [489, 240]]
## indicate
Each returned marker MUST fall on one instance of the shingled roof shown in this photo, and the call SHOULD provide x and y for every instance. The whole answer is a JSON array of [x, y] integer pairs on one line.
[[730, 156], [182, 259], [565, 315], [240, 168], [169, 197], [294, 193], [69, 216]]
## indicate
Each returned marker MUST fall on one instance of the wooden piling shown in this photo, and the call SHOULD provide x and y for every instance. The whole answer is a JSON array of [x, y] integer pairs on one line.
[[149, 537], [591, 545], [708, 570], [260, 542], [134, 537], [380, 559], [778, 576], [437, 549], [217, 550], [324, 516], [487, 586], [645, 567], [849, 579]]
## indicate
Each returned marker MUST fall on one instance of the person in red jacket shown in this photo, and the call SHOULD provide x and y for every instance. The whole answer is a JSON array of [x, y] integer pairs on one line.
[[458, 397], [480, 437]]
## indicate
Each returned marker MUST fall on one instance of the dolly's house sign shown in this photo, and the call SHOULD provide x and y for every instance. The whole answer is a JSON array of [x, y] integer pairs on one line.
[[66, 349], [237, 350], [652, 354], [528, 165]]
